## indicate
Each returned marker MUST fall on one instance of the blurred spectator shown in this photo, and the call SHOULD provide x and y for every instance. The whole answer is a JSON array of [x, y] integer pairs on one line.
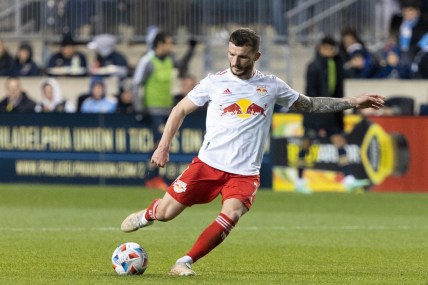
[[108, 61], [97, 101], [68, 60], [154, 74], [187, 83], [153, 78], [408, 28], [359, 61], [419, 67], [324, 78], [125, 100], [6, 61], [23, 64], [390, 65], [16, 99], [52, 99]]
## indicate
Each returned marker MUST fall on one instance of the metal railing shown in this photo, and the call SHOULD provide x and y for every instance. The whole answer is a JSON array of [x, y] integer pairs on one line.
[[280, 22], [302, 20], [311, 19]]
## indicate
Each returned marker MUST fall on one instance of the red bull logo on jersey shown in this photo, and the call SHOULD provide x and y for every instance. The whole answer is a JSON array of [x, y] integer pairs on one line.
[[244, 109], [261, 90]]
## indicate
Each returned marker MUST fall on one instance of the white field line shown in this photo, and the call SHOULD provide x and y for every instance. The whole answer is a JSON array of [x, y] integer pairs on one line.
[[239, 228]]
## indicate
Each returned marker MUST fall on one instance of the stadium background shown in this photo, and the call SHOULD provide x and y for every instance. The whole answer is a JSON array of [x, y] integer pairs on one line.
[[289, 32]]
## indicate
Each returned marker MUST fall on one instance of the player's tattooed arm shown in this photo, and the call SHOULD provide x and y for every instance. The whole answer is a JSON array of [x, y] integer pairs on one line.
[[320, 104], [327, 104]]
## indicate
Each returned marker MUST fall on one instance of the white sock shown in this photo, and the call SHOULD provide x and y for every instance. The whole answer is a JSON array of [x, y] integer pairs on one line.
[[143, 219], [185, 259]]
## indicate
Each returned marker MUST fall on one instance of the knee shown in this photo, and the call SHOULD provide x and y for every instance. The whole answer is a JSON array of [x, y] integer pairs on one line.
[[234, 214], [234, 209]]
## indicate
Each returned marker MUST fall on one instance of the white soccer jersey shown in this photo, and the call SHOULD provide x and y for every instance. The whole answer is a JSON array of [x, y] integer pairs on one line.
[[238, 118]]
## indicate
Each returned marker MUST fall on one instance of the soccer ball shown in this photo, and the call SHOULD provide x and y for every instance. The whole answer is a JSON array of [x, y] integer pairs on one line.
[[129, 258]]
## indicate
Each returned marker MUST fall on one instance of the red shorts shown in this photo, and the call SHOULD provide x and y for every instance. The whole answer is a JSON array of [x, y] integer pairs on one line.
[[201, 183]]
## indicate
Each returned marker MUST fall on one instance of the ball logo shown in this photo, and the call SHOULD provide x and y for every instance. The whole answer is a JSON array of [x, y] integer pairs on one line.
[[244, 109], [122, 257]]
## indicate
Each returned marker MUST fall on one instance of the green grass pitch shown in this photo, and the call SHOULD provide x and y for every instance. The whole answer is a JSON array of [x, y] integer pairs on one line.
[[51, 234]]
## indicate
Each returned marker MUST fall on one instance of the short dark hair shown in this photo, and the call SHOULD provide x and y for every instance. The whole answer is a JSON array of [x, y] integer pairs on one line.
[[410, 4], [245, 37], [328, 40], [160, 38], [13, 77], [67, 40]]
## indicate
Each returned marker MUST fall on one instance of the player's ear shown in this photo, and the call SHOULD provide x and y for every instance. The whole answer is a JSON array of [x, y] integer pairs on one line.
[[258, 54]]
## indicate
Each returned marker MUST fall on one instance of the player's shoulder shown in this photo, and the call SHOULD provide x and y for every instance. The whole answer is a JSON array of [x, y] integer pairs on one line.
[[259, 75], [219, 74], [216, 77]]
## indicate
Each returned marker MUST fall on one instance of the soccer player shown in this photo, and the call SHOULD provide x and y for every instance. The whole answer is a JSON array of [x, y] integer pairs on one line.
[[241, 102]]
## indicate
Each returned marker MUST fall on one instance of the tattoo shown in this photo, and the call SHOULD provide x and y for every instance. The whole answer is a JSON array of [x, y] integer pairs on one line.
[[320, 104]]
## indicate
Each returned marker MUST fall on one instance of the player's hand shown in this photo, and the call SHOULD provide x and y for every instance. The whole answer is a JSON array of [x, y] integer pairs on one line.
[[368, 100], [160, 157]]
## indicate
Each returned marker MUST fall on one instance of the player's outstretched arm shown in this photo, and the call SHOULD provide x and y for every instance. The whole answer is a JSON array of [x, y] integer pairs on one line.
[[327, 104], [184, 107]]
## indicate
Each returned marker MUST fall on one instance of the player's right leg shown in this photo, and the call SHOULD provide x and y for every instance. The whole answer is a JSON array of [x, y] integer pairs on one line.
[[164, 209]]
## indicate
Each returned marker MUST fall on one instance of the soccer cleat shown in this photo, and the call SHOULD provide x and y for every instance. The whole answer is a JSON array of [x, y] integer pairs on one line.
[[156, 183], [182, 269], [133, 222]]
